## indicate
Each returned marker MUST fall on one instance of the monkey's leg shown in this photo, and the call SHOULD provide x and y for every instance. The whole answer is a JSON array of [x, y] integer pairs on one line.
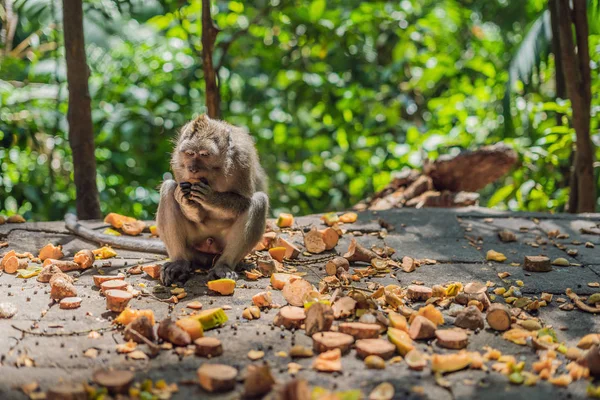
[[243, 235], [173, 231]]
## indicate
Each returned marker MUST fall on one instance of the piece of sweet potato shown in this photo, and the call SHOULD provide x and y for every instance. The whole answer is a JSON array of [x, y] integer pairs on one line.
[[152, 270], [277, 253], [285, 220], [278, 280], [117, 300], [117, 220], [192, 326], [85, 258], [133, 228], [291, 251], [128, 315], [224, 287], [330, 237], [51, 251]]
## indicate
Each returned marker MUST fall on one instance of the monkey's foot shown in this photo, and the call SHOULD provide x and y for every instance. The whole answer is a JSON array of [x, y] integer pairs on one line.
[[222, 271], [176, 272]]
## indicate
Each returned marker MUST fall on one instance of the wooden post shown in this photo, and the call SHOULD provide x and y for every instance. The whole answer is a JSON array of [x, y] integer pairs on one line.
[[81, 134]]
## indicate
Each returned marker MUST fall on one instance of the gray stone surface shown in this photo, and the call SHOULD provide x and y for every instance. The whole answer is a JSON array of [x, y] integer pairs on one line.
[[457, 239]]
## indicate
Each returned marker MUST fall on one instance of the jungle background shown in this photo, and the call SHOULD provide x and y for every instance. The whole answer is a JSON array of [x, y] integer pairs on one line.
[[339, 95]]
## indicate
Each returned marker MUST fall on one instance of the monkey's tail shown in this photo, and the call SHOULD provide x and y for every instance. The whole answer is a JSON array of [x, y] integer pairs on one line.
[[122, 242]]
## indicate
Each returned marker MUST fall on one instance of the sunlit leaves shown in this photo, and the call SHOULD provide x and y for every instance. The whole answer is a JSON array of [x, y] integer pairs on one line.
[[316, 9], [337, 94]]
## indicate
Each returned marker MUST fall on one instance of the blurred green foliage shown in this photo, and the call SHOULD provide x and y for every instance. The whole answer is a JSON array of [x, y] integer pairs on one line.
[[338, 94]]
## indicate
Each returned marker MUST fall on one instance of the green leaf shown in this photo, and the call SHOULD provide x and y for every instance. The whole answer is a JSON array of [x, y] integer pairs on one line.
[[500, 195], [316, 10]]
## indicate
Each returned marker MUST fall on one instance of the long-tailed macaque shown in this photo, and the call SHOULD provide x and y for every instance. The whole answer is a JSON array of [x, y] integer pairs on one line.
[[216, 200]]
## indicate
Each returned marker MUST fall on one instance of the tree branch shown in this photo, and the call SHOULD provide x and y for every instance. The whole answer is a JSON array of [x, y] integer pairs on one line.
[[209, 36]]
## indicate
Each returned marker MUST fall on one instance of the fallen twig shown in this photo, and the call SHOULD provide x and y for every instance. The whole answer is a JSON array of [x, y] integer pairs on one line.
[[580, 304], [153, 347], [73, 333]]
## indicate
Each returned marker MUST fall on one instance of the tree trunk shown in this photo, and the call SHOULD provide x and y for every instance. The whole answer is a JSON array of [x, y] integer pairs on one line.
[[81, 134], [209, 36], [559, 76], [7, 33], [576, 67]]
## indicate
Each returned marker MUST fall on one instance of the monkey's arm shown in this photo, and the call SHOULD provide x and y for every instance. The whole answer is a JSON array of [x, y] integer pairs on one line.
[[229, 202], [121, 242]]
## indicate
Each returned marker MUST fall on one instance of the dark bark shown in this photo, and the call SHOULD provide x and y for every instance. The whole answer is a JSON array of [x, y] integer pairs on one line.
[[81, 134], [209, 37], [471, 170], [7, 33], [576, 65], [559, 76], [449, 181]]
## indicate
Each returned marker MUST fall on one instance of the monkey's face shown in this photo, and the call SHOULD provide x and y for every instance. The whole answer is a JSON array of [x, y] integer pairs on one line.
[[201, 151], [197, 162]]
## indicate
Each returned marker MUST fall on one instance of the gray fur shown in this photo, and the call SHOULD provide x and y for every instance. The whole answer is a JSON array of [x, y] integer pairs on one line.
[[230, 206]]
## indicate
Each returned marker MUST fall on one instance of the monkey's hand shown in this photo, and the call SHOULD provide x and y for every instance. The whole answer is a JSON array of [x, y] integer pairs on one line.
[[230, 202], [176, 272], [221, 271], [199, 191]]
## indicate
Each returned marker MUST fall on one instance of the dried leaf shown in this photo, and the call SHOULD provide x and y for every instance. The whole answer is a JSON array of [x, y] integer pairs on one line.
[[137, 355], [255, 355], [92, 352]]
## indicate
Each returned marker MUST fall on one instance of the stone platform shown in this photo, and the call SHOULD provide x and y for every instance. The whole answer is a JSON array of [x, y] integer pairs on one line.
[[457, 239]]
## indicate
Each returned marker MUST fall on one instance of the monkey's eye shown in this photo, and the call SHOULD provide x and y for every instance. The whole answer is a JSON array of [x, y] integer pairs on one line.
[[203, 153], [190, 153]]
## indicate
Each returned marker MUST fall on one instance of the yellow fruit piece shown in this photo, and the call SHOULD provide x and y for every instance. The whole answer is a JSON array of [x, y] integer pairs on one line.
[[429, 312], [285, 220], [211, 318], [104, 253], [518, 335], [330, 219], [453, 289], [520, 283], [129, 315], [589, 340], [348, 217], [30, 272], [500, 291], [495, 256], [111, 232], [224, 287], [450, 362], [308, 304], [401, 340], [153, 230], [398, 321], [561, 380]]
